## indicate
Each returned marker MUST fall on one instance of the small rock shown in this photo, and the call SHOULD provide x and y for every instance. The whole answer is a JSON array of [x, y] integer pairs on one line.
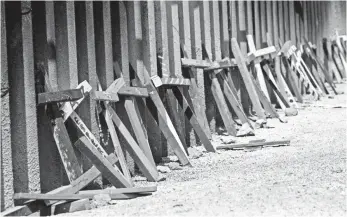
[[194, 153], [163, 169], [161, 177], [169, 159], [100, 200], [112, 202], [291, 112], [245, 130], [174, 166], [228, 139], [140, 178], [330, 97]]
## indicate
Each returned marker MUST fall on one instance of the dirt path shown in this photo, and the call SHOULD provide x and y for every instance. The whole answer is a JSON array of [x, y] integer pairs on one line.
[[307, 178]]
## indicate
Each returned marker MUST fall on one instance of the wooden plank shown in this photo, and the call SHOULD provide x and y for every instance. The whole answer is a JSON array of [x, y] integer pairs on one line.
[[133, 91], [37, 196], [33, 206], [69, 207], [259, 73], [195, 63], [324, 70], [59, 96], [137, 126], [102, 164], [291, 81], [280, 98], [175, 81], [265, 102], [231, 96], [246, 78], [121, 190], [196, 89], [192, 119], [81, 181], [167, 128], [115, 87], [69, 107], [104, 96], [61, 136], [144, 164], [255, 144]]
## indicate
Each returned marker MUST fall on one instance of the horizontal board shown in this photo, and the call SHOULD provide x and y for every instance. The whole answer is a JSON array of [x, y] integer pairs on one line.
[[60, 96], [104, 96], [18, 196], [133, 91], [255, 144], [175, 81], [121, 190]]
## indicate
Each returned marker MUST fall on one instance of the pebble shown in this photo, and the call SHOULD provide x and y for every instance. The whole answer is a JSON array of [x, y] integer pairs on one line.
[[194, 153], [228, 139], [174, 166], [100, 200], [163, 169]]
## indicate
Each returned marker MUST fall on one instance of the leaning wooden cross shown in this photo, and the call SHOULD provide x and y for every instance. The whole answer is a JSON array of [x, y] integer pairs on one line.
[[264, 56], [222, 84]]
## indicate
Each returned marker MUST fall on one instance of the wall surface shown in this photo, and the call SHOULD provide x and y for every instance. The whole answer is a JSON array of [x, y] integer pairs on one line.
[[101, 41]]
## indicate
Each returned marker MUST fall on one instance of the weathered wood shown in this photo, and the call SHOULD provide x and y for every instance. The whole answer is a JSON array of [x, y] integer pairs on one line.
[[69, 207], [133, 91], [175, 81], [195, 63], [192, 119], [114, 87], [59, 96], [61, 136], [231, 95], [101, 163], [327, 76], [137, 125], [196, 89], [246, 78], [167, 128], [104, 96], [69, 107], [81, 181], [37, 196], [280, 98], [145, 165], [259, 73], [33, 206], [121, 190], [264, 101], [255, 144]]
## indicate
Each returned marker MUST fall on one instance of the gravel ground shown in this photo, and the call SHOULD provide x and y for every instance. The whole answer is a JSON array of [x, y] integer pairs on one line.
[[307, 178]]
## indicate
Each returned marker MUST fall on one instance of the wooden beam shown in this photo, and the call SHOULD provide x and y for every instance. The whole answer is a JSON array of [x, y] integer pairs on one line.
[[133, 91], [81, 181], [190, 22], [247, 79], [175, 81], [104, 96], [259, 73], [193, 119], [167, 128], [69, 207], [145, 165], [102, 164], [59, 96], [33, 206], [121, 190], [37, 196], [255, 144]]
